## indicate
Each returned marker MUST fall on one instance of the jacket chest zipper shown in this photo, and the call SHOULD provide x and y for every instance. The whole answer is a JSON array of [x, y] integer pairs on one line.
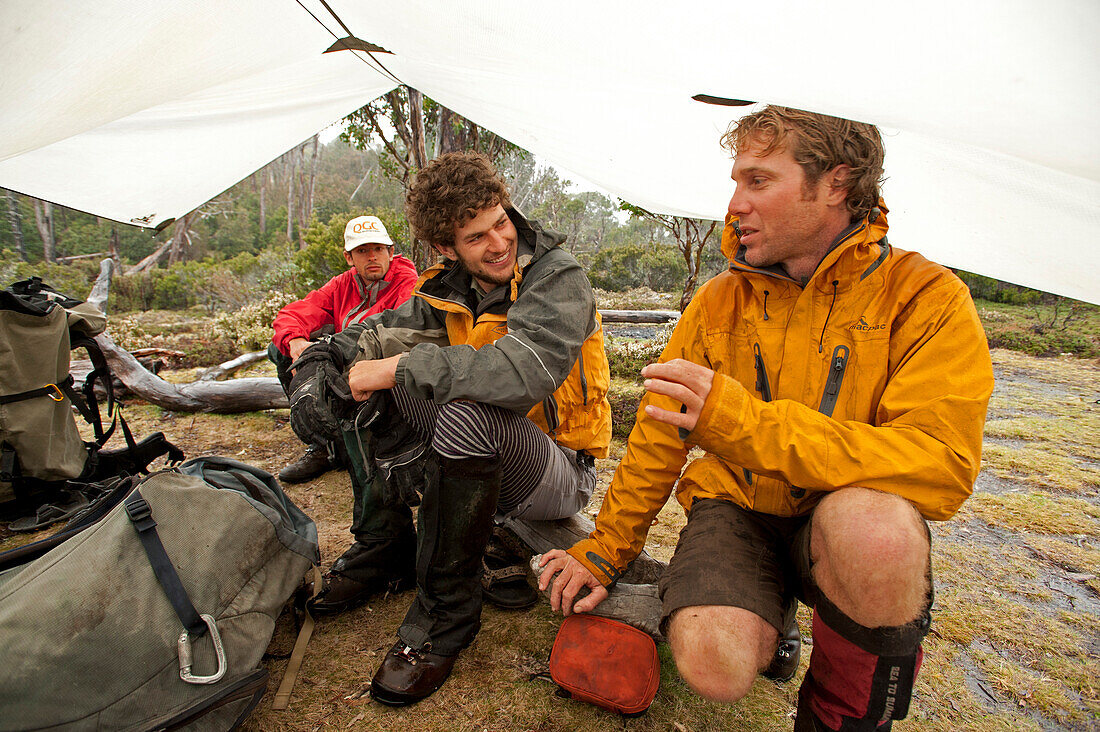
[[762, 386], [765, 390], [837, 367]]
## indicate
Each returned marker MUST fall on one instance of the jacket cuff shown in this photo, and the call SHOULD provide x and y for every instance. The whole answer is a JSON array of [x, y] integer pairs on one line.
[[588, 553], [399, 373], [726, 399]]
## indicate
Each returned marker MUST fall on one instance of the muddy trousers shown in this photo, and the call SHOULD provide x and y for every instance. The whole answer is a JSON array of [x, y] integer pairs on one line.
[[860, 678], [385, 540], [455, 522]]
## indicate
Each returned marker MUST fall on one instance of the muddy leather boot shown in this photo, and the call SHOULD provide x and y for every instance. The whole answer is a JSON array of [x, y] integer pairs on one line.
[[313, 464], [455, 522], [383, 557]]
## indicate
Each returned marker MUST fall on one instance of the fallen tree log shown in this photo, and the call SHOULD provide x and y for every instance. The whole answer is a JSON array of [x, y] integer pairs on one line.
[[215, 373], [633, 599], [217, 397], [140, 353], [639, 316], [81, 369]]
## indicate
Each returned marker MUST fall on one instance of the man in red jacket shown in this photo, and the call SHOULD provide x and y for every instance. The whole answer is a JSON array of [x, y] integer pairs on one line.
[[378, 280]]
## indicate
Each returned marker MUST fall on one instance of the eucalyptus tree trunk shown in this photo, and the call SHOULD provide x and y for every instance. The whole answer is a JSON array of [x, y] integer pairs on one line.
[[43, 219], [15, 219], [291, 174], [307, 206], [416, 123]]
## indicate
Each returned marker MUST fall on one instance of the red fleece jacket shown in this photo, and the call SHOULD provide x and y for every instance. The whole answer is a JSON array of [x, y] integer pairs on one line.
[[344, 300]]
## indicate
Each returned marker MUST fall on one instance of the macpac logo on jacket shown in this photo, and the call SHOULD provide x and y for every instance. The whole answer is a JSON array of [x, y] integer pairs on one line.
[[862, 325]]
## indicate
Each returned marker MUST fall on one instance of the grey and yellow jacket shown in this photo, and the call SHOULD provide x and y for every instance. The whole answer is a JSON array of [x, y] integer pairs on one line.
[[533, 346]]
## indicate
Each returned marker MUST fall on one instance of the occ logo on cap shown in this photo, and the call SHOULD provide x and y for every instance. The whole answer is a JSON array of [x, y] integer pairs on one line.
[[365, 230]]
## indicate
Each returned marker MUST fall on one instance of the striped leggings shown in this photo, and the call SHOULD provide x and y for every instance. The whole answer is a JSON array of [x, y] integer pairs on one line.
[[460, 430]]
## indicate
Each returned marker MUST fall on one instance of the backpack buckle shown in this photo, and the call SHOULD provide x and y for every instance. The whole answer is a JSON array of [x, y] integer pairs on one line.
[[137, 508], [186, 659]]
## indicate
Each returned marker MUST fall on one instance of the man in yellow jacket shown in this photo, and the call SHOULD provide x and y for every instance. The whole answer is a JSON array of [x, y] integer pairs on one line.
[[838, 387]]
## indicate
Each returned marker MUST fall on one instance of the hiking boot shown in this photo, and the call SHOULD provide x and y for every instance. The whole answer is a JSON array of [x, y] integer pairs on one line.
[[340, 592], [314, 463], [784, 663], [367, 568], [406, 675]]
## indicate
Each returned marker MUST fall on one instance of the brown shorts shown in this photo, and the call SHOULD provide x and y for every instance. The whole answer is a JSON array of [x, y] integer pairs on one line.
[[728, 555]]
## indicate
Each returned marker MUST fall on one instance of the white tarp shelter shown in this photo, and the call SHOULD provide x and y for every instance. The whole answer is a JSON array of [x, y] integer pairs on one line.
[[140, 112]]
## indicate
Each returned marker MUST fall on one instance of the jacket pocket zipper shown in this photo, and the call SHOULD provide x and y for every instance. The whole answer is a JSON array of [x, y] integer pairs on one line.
[[584, 379], [550, 410], [837, 366]]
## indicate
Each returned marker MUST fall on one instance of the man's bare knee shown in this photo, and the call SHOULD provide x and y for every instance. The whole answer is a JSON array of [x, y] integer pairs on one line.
[[719, 650], [870, 551]]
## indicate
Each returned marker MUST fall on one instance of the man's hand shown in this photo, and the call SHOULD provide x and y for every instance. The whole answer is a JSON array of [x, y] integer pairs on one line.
[[296, 346], [367, 377], [566, 585], [686, 382]]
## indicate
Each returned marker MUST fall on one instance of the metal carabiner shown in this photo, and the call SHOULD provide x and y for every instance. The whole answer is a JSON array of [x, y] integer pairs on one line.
[[55, 394], [184, 645]]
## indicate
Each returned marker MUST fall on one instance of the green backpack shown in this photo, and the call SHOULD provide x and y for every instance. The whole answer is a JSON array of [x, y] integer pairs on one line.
[[41, 450], [153, 613]]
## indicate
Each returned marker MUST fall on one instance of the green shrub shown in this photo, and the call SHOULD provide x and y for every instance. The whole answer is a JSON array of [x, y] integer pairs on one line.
[[624, 397], [250, 327], [627, 356], [170, 291], [1048, 329], [74, 280], [176, 332], [621, 267], [992, 290], [637, 298]]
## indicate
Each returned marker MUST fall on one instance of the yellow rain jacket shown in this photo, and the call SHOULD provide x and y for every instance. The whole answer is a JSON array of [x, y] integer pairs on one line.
[[876, 373], [534, 346]]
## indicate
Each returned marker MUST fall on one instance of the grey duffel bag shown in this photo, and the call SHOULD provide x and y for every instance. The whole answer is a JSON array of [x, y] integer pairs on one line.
[[93, 637]]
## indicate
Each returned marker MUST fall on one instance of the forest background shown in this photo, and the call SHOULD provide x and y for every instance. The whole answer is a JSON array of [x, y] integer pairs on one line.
[[277, 235]]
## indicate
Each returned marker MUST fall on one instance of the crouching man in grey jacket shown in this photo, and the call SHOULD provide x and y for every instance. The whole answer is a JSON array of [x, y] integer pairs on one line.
[[485, 393]]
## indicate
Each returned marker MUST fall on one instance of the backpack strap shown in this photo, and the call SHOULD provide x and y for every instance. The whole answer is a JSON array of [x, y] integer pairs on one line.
[[195, 625], [88, 405], [137, 508]]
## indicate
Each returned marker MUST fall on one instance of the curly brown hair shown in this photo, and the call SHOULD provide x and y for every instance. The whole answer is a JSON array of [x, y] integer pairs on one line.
[[818, 143], [451, 190]]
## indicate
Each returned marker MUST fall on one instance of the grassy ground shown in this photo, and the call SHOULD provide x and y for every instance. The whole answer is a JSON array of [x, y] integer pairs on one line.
[[1015, 642]]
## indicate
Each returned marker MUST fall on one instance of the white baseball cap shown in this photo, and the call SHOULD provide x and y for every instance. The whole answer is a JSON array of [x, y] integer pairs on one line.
[[365, 230]]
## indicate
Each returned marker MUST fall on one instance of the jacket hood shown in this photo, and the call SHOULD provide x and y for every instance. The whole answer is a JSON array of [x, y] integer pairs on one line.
[[868, 230], [400, 265], [534, 241]]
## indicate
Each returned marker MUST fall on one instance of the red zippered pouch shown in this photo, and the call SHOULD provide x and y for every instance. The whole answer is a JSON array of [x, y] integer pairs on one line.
[[606, 662]]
